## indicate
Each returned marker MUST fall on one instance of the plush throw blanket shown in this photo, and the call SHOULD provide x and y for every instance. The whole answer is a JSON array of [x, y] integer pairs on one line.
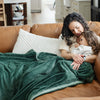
[[26, 76]]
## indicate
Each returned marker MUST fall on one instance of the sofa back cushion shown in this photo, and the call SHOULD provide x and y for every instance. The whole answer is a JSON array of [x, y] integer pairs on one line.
[[8, 36], [47, 30], [54, 30], [95, 26]]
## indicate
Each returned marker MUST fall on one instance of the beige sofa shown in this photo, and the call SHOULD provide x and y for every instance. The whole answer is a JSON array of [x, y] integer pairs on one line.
[[89, 91]]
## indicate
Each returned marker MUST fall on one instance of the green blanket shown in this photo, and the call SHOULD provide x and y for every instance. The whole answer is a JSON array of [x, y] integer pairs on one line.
[[26, 76]]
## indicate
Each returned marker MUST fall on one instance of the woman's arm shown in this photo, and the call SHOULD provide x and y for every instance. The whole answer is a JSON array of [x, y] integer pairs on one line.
[[91, 58], [65, 54], [78, 60], [76, 57]]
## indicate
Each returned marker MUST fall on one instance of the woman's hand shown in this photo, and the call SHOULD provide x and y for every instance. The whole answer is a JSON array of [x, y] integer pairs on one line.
[[77, 58], [75, 65]]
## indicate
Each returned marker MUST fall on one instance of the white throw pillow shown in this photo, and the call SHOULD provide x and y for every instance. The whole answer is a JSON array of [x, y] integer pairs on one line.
[[27, 41]]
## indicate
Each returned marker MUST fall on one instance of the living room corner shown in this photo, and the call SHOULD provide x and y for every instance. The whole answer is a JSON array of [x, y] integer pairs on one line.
[[32, 66]]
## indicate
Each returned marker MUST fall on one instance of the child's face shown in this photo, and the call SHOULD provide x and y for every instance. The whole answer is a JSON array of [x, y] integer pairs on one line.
[[82, 41]]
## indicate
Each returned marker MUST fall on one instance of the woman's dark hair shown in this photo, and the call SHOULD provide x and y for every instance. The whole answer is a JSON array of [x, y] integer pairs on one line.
[[92, 40], [66, 33]]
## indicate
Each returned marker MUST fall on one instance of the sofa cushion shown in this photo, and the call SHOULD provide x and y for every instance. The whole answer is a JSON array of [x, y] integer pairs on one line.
[[47, 30], [81, 98], [82, 90], [95, 26], [27, 41], [8, 36]]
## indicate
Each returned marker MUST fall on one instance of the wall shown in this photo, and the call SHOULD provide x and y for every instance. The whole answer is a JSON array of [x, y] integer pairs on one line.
[[59, 9], [79, 6]]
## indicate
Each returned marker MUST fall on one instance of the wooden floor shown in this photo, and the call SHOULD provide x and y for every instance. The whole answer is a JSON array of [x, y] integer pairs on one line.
[[47, 14]]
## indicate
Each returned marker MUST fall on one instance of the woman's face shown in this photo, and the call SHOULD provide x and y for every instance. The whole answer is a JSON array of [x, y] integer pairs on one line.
[[76, 28]]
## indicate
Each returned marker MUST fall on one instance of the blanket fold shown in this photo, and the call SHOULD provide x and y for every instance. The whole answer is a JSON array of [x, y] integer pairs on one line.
[[27, 76]]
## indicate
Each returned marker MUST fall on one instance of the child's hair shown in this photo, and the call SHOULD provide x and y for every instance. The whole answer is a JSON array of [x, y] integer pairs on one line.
[[92, 40]]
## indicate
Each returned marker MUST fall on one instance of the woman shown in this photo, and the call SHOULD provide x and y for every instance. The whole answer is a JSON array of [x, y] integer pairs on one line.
[[74, 24]]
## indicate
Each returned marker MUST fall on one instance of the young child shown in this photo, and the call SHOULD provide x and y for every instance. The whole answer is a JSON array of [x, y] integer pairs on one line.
[[87, 44]]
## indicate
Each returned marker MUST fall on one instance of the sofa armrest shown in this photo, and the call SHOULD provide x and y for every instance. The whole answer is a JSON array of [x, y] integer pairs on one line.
[[97, 67], [8, 36]]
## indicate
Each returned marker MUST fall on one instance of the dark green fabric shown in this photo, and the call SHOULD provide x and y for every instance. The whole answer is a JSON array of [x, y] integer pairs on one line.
[[26, 76]]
